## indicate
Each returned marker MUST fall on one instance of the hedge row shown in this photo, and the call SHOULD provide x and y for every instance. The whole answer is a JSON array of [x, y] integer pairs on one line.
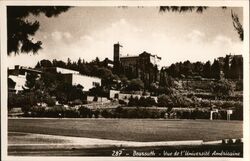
[[128, 112]]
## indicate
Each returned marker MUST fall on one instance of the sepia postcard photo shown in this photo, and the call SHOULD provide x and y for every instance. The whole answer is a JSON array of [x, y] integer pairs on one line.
[[127, 80]]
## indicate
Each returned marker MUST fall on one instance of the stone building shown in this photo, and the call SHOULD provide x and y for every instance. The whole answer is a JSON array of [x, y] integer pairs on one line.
[[143, 66]]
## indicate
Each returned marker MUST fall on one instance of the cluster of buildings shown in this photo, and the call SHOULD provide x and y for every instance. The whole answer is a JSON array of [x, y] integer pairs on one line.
[[18, 76], [143, 66]]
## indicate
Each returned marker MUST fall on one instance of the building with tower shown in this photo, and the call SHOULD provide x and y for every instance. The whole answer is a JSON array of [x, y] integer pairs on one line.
[[143, 66]]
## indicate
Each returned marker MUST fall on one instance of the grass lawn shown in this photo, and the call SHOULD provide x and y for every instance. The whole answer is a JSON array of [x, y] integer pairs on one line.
[[131, 129]]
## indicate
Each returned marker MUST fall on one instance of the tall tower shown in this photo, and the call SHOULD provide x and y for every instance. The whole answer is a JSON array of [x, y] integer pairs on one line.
[[117, 56], [117, 52]]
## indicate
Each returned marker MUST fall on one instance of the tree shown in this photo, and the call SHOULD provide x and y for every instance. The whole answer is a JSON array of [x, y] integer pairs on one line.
[[165, 101], [198, 9], [226, 66], [98, 91], [11, 83], [59, 63], [69, 92], [222, 88], [45, 63], [31, 80], [135, 85], [198, 67], [21, 30], [236, 69], [104, 73], [186, 68], [85, 112], [133, 101], [50, 101], [237, 25], [38, 65], [174, 70], [207, 70], [215, 69]]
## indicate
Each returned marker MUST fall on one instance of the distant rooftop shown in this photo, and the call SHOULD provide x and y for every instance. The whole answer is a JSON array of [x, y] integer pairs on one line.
[[135, 56], [129, 56]]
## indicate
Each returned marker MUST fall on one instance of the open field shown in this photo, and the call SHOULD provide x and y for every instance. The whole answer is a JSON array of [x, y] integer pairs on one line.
[[144, 130]]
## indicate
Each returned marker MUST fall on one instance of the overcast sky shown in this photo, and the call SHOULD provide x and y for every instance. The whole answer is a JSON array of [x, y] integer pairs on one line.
[[90, 32]]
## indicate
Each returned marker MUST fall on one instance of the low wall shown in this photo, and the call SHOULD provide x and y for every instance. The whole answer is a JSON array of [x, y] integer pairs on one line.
[[100, 99]]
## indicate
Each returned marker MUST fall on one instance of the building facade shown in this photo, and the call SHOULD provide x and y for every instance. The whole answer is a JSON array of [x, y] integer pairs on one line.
[[75, 78], [86, 82], [17, 78], [143, 66], [60, 70]]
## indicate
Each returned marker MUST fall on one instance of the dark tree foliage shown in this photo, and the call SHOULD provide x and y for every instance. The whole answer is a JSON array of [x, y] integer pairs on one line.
[[237, 25], [164, 101], [215, 69], [20, 30], [207, 70], [226, 66], [85, 112], [222, 88], [59, 63], [236, 68], [135, 85], [133, 101], [180, 9], [98, 92], [38, 65], [31, 80], [174, 70], [187, 68], [45, 63], [145, 102], [230, 65], [67, 92], [11, 83]]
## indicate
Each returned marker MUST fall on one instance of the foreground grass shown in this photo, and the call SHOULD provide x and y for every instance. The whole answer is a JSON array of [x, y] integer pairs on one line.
[[131, 129]]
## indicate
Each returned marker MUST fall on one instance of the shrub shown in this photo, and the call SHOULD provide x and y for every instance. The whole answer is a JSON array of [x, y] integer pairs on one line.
[[135, 85], [37, 111], [239, 85], [71, 113], [85, 112], [237, 114], [230, 141], [133, 101], [164, 101], [122, 102], [205, 103], [77, 102], [238, 141], [222, 88], [50, 101], [107, 113], [56, 111], [96, 113]]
